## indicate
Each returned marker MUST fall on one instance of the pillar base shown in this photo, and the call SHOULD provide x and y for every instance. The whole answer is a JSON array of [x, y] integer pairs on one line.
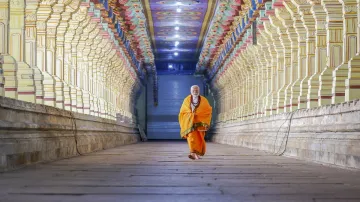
[[312, 94], [10, 71], [325, 87], [26, 85], [340, 74], [352, 84]]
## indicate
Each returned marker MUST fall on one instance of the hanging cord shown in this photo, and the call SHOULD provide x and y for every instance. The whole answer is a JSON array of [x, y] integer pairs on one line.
[[287, 133], [74, 128]]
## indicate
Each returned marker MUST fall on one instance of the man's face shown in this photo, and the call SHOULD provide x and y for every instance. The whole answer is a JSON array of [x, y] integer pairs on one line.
[[195, 91]]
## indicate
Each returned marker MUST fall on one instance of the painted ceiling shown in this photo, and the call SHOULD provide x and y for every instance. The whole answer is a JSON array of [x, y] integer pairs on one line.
[[177, 27]]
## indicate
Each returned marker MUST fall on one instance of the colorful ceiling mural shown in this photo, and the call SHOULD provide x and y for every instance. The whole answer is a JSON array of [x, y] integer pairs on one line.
[[177, 28], [224, 23], [133, 22]]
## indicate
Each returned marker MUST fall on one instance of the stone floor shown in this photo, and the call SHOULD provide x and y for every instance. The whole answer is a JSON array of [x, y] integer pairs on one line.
[[161, 171]]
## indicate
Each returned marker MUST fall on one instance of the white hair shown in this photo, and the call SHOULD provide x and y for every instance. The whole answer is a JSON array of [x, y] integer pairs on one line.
[[194, 86]]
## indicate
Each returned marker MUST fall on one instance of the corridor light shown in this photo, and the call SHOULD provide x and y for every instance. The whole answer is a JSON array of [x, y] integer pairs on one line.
[[176, 36], [176, 28], [178, 10], [178, 3], [176, 43], [176, 22], [176, 53]]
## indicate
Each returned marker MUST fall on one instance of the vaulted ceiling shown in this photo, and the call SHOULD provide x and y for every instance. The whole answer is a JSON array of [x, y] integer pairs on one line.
[[191, 33], [178, 28]]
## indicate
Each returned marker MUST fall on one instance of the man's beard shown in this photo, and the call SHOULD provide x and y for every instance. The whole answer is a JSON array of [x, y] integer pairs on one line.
[[195, 95]]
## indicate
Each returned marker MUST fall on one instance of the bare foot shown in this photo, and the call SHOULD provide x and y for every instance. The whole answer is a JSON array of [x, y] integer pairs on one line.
[[196, 156]]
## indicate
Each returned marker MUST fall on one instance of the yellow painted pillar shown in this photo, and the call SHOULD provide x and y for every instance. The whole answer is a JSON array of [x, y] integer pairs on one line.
[[62, 88], [273, 75], [352, 83], [267, 73], [301, 55], [43, 58], [52, 56], [31, 48], [291, 55], [340, 74], [24, 83], [334, 42], [9, 66], [4, 30], [77, 58], [285, 59], [306, 71], [91, 45], [320, 53]]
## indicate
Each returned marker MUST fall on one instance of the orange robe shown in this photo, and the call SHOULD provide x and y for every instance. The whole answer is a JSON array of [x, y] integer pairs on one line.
[[192, 124]]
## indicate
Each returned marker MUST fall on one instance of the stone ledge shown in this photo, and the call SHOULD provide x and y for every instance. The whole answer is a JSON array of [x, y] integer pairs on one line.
[[32, 133], [328, 134]]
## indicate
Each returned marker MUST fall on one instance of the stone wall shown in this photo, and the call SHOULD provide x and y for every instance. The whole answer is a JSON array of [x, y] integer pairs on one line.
[[328, 134], [31, 133]]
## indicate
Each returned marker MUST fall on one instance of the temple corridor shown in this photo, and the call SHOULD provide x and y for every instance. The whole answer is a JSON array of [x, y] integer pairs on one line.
[[161, 171], [274, 86]]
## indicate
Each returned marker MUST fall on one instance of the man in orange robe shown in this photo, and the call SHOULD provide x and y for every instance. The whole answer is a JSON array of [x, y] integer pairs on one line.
[[194, 119]]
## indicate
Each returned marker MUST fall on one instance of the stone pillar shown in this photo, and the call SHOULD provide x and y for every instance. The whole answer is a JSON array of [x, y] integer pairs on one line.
[[53, 58], [352, 84], [31, 48], [24, 83], [291, 53], [43, 58], [340, 74], [334, 40], [320, 53], [9, 66], [77, 66], [309, 67], [285, 60], [4, 28], [301, 55]]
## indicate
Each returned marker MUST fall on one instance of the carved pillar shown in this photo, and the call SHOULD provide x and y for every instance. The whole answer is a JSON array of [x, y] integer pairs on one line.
[[273, 75], [334, 41], [31, 48], [85, 60], [262, 75], [285, 59], [62, 90], [309, 67], [353, 82], [91, 45], [267, 72], [340, 74], [301, 54], [320, 53], [9, 66], [24, 83], [4, 29], [291, 55], [43, 60], [78, 67], [52, 56]]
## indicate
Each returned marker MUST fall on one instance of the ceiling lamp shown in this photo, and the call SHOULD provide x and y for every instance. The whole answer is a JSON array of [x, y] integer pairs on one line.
[[178, 10], [177, 28], [176, 43], [176, 53], [176, 36]]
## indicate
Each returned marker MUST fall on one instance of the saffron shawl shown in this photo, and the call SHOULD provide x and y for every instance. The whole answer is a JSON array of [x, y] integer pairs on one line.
[[199, 120]]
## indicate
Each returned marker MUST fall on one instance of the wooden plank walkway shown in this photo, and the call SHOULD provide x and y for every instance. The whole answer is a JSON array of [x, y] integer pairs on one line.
[[161, 171]]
